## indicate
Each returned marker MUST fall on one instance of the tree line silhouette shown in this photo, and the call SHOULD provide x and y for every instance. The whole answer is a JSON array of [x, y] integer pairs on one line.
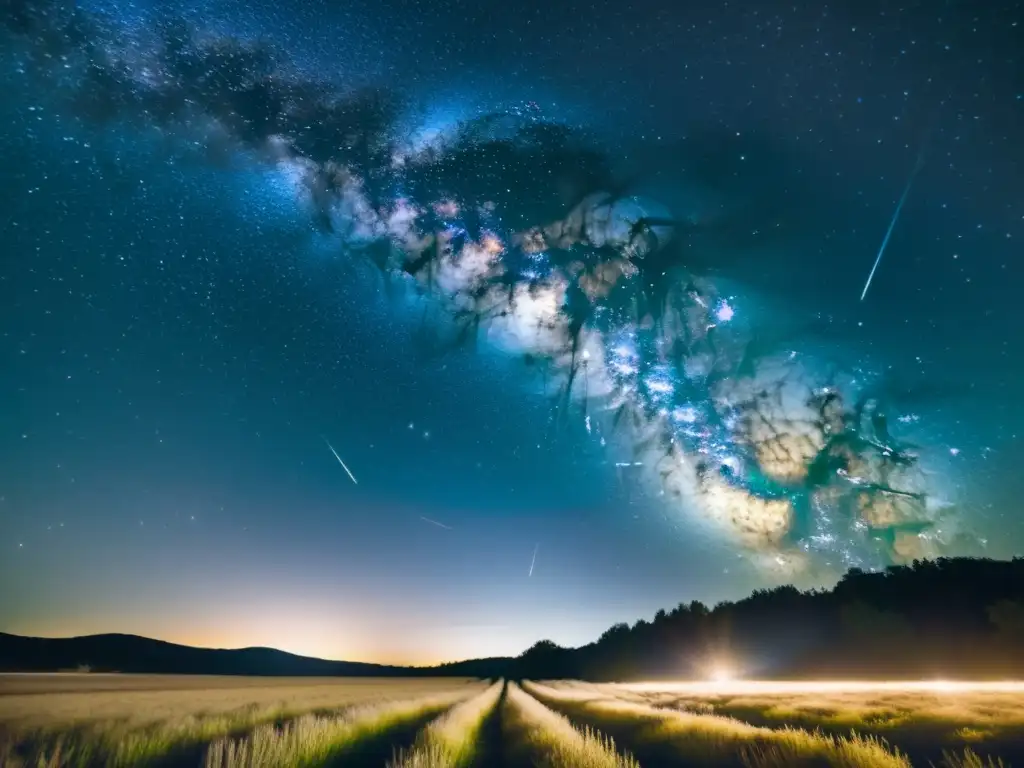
[[935, 619], [944, 618]]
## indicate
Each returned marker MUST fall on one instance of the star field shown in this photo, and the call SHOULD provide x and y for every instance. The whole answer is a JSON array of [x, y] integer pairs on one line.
[[585, 275]]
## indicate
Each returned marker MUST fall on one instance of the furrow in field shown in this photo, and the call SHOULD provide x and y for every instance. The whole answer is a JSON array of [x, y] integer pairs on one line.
[[146, 739], [453, 739], [535, 735], [925, 725], [313, 740], [667, 737]]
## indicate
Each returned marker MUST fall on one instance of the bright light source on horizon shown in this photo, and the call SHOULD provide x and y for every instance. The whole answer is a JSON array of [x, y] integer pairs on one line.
[[722, 674], [727, 684]]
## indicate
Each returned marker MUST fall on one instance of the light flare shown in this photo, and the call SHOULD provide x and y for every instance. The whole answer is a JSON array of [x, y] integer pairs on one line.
[[754, 687]]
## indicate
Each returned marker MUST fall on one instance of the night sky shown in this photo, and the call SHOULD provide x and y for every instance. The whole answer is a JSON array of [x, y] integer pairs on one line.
[[415, 331]]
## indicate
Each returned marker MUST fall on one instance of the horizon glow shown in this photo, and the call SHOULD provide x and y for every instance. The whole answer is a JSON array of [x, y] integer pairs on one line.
[[715, 687]]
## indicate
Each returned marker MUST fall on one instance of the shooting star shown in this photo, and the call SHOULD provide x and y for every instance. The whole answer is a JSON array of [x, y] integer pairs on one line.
[[533, 562], [347, 470], [895, 216], [434, 522]]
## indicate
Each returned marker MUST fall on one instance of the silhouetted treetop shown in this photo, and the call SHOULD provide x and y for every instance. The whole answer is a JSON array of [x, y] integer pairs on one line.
[[951, 617]]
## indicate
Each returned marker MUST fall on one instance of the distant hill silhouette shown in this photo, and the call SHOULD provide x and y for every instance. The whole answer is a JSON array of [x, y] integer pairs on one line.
[[948, 618], [134, 654], [130, 653]]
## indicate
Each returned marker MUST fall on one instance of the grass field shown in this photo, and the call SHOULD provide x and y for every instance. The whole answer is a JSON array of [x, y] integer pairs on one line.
[[125, 720], [223, 722], [923, 721]]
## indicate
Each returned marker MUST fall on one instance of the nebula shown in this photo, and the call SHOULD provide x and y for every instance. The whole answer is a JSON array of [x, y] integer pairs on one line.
[[520, 231]]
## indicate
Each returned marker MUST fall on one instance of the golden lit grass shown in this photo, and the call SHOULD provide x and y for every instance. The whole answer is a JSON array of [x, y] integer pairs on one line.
[[969, 760], [313, 740], [451, 741], [951, 717], [138, 727], [713, 740], [548, 740], [12, 683], [141, 699]]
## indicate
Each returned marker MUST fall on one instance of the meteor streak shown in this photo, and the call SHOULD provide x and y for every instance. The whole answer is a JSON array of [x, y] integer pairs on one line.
[[892, 223], [533, 562], [434, 522], [347, 470]]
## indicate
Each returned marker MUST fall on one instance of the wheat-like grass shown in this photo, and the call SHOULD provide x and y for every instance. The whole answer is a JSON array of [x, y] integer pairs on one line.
[[451, 741], [932, 717], [713, 740], [969, 759], [550, 740], [912, 719], [133, 701], [143, 739], [313, 740]]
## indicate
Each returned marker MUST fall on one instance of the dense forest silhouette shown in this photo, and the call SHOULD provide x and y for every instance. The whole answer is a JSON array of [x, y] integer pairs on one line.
[[947, 618]]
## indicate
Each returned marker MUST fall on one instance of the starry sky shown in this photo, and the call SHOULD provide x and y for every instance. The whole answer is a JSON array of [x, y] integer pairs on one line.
[[416, 331]]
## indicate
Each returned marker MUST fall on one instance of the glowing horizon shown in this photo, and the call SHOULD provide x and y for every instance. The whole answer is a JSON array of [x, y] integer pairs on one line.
[[828, 686]]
